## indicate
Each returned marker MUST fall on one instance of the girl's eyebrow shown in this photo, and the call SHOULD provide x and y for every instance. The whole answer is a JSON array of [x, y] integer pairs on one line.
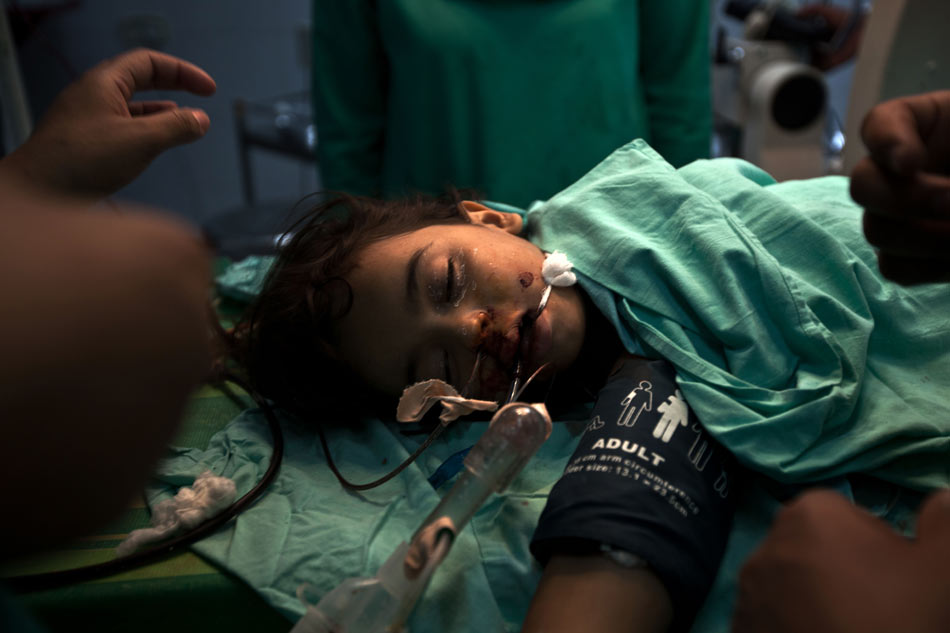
[[412, 281]]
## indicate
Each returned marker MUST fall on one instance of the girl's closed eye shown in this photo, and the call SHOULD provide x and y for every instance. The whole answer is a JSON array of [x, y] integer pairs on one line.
[[447, 283], [455, 281], [451, 282]]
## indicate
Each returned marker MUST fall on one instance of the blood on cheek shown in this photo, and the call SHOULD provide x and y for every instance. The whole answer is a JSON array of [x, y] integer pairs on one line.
[[525, 279], [492, 380]]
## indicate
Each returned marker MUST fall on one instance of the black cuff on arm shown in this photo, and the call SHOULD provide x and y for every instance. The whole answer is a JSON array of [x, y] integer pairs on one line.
[[646, 478]]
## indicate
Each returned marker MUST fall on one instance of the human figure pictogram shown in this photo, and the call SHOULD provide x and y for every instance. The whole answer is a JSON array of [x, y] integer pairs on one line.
[[636, 402], [675, 414]]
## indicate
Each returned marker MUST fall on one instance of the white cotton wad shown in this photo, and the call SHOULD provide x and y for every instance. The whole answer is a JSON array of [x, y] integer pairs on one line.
[[556, 270], [208, 496]]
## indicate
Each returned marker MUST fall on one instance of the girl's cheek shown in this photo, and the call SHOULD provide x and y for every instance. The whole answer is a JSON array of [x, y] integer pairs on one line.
[[493, 382]]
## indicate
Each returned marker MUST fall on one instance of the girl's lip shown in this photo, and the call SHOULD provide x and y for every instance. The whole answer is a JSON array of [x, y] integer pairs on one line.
[[530, 341]]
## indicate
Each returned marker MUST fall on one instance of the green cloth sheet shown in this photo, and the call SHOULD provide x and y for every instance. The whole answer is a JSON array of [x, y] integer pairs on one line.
[[788, 344]]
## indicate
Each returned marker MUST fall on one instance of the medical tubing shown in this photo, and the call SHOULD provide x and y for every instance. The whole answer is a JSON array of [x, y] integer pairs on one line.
[[515, 434], [384, 602], [52, 580], [346, 483]]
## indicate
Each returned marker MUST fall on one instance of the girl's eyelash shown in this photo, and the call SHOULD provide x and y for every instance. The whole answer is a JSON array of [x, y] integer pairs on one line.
[[450, 281]]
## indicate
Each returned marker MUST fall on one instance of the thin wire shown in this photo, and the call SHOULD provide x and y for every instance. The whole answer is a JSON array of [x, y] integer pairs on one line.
[[516, 388], [471, 378], [346, 483], [530, 378]]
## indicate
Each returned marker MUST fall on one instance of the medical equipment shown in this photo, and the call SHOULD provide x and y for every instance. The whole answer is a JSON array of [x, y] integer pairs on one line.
[[384, 602], [556, 271], [516, 385], [770, 103]]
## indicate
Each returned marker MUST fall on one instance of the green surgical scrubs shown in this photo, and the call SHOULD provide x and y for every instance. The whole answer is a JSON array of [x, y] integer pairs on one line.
[[517, 99]]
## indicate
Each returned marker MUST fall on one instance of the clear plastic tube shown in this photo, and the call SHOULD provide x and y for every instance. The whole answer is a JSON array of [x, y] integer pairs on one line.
[[517, 431], [382, 604]]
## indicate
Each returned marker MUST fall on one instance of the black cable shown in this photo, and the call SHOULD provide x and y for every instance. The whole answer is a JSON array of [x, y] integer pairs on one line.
[[346, 483], [51, 580]]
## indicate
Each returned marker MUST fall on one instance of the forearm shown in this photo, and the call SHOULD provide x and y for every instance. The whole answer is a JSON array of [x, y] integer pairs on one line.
[[17, 177], [593, 593], [633, 532], [104, 337]]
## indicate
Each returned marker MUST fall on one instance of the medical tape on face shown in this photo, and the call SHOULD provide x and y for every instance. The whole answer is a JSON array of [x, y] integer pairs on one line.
[[417, 399]]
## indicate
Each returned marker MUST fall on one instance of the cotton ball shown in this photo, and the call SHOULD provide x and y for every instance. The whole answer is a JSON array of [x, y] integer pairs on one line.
[[556, 270]]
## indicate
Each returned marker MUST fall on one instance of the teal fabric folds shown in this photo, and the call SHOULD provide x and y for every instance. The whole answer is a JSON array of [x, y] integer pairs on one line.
[[791, 348], [244, 280], [308, 529]]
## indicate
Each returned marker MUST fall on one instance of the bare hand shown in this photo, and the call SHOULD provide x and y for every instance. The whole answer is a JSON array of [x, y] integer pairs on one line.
[[904, 186], [94, 139], [829, 567]]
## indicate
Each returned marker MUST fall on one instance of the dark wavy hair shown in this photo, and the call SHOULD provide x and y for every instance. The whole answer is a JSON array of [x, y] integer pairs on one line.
[[285, 342]]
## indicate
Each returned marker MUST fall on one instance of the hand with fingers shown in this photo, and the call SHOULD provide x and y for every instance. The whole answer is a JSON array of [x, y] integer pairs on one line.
[[827, 566], [95, 139], [904, 187]]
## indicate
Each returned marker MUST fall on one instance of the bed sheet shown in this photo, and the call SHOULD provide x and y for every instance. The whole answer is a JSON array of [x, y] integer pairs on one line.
[[307, 528]]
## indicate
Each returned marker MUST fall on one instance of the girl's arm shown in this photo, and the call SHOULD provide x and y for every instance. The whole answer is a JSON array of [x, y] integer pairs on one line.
[[594, 593], [633, 532]]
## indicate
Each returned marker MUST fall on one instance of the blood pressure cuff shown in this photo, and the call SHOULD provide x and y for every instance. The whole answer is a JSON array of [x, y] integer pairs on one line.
[[647, 479]]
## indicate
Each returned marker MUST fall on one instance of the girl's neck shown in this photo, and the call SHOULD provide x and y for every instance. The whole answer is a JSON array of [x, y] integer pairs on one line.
[[584, 378]]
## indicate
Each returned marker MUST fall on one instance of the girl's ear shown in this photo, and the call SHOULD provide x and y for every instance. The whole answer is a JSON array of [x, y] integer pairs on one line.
[[480, 214]]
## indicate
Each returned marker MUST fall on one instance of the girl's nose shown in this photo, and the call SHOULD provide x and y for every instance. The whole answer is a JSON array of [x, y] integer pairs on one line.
[[474, 328]]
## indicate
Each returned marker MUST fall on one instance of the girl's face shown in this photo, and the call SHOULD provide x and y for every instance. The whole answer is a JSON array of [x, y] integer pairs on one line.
[[427, 303]]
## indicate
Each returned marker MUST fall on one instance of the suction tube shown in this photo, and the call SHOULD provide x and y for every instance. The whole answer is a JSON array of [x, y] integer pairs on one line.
[[382, 604]]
